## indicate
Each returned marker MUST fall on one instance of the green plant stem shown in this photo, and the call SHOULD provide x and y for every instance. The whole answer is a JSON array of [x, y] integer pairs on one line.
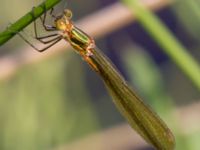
[[26, 20], [170, 45], [194, 7]]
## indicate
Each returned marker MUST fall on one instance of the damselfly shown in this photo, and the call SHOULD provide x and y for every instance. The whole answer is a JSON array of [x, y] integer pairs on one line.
[[140, 116]]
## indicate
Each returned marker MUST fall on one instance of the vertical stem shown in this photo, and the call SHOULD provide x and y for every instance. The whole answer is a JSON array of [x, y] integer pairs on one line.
[[167, 41]]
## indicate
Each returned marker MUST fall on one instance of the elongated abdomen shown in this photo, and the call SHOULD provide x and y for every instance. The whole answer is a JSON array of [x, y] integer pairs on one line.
[[140, 116]]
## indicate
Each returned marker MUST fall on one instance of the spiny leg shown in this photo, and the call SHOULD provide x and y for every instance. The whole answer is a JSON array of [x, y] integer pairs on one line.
[[51, 13], [40, 38], [36, 37], [43, 20], [53, 42], [56, 41]]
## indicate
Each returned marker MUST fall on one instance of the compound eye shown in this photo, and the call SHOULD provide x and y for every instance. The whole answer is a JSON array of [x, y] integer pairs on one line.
[[68, 13]]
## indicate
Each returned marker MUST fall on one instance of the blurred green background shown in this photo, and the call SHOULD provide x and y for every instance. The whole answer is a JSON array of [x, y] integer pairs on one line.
[[59, 100]]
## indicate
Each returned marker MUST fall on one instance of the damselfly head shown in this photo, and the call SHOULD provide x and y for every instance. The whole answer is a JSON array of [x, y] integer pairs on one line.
[[63, 22], [68, 13]]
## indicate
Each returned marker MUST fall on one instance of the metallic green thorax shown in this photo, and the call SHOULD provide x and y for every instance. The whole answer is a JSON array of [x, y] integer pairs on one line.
[[78, 39]]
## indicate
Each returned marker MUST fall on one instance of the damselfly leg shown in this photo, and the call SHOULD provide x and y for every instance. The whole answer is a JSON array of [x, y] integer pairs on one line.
[[51, 39], [43, 20], [47, 28]]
